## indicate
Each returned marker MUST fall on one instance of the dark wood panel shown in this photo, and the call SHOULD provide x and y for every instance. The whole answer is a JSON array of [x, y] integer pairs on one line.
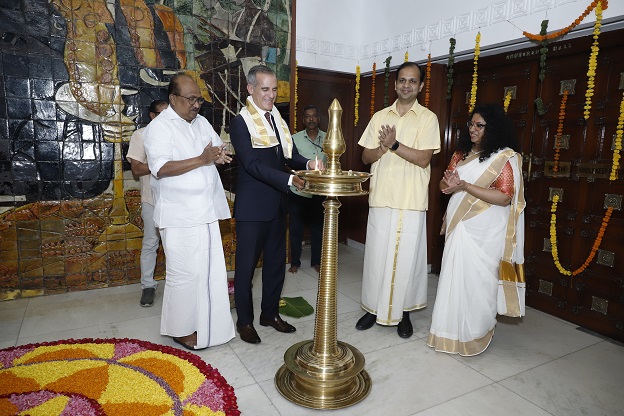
[[594, 298], [320, 88], [579, 216]]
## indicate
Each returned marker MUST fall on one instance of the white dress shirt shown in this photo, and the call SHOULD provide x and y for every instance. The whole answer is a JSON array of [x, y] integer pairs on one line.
[[193, 198]]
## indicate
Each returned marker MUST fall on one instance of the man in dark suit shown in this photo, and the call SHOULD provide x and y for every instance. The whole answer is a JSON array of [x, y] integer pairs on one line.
[[263, 147]]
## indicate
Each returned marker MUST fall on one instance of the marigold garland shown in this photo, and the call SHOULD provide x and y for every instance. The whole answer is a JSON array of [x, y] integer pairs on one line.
[[406, 56], [507, 100], [357, 96], [449, 69], [428, 81], [372, 107], [475, 75], [296, 95], [562, 114], [617, 143], [387, 81], [553, 240], [593, 63], [604, 4]]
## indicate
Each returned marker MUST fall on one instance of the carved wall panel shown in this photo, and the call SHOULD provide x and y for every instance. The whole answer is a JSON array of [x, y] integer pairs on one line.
[[77, 80]]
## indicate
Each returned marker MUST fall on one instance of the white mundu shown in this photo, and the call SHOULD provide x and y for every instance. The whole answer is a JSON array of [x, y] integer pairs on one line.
[[395, 271], [189, 303], [395, 258], [187, 210]]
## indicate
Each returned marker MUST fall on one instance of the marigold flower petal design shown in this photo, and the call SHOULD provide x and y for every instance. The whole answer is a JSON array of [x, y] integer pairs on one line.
[[110, 377]]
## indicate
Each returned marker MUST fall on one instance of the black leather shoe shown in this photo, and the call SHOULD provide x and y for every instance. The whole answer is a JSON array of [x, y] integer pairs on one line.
[[405, 328], [248, 333], [366, 322], [278, 323]]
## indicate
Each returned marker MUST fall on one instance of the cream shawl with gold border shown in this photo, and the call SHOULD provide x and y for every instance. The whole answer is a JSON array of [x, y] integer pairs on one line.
[[262, 134]]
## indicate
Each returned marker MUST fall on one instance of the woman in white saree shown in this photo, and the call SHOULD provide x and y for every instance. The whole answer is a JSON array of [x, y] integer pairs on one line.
[[484, 227]]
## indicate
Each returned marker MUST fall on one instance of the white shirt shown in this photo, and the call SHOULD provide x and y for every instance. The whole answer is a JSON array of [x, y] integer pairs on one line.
[[136, 151], [193, 198]]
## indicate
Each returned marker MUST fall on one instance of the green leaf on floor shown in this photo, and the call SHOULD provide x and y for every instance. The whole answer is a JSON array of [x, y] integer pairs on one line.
[[296, 307]]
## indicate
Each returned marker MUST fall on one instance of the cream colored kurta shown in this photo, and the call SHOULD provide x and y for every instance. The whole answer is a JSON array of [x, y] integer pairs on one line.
[[464, 314], [397, 183], [395, 257]]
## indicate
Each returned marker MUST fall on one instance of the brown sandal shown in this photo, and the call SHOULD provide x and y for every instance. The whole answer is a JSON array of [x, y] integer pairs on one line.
[[178, 340], [185, 345]]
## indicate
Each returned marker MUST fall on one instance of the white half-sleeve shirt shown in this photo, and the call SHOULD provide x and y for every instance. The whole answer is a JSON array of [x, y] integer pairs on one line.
[[193, 198]]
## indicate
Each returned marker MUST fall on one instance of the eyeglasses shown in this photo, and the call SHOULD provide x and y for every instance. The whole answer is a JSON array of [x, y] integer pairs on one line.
[[193, 100], [478, 126]]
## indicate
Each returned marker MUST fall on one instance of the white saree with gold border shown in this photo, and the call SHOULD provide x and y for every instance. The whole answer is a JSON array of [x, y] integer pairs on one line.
[[464, 314]]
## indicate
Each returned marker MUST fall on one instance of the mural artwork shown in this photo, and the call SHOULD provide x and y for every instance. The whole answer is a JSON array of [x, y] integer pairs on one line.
[[77, 77]]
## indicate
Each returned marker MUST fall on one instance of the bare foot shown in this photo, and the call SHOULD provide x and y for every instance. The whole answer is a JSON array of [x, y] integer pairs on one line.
[[293, 269], [317, 268]]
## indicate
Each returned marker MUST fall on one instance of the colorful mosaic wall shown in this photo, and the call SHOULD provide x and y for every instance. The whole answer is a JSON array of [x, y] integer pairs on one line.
[[76, 80]]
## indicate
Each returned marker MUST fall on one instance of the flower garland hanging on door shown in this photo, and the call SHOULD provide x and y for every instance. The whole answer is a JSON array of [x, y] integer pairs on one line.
[[449, 69], [593, 62], [507, 100], [562, 113], [617, 143], [553, 240], [604, 5], [372, 107], [356, 117], [475, 75], [387, 81], [296, 95], [428, 81], [555, 200]]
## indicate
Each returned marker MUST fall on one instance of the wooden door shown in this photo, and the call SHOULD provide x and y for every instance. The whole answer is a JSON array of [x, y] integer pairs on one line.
[[593, 299]]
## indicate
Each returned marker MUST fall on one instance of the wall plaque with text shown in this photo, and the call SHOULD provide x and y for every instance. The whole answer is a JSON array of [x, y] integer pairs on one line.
[[593, 170], [562, 172]]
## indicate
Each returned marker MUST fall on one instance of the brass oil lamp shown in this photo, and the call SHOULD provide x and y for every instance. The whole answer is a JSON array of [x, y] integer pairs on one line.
[[325, 373]]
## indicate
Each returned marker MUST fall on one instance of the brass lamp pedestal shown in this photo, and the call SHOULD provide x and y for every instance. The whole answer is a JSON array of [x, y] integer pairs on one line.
[[325, 373]]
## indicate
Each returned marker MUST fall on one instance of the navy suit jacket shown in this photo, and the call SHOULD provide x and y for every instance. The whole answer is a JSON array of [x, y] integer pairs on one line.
[[262, 183]]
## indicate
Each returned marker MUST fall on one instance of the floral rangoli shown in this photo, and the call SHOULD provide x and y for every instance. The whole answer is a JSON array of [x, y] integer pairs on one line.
[[110, 377]]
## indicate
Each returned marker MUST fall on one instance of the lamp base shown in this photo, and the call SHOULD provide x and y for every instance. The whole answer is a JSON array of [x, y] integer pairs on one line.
[[323, 383]]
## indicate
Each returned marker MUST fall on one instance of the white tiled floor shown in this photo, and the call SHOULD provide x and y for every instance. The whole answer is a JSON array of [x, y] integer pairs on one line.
[[535, 366]]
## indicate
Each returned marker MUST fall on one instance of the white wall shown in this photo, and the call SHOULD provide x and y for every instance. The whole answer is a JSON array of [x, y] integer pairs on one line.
[[337, 35], [328, 34]]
